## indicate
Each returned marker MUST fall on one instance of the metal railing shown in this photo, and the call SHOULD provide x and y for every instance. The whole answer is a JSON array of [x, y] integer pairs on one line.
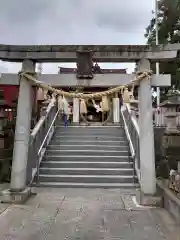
[[132, 132], [39, 140]]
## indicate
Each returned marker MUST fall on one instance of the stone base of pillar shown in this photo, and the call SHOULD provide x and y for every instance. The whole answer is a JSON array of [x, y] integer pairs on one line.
[[149, 200], [116, 124], [74, 124], [15, 197]]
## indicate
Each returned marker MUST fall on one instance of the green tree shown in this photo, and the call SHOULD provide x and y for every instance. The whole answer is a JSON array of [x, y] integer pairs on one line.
[[169, 32]]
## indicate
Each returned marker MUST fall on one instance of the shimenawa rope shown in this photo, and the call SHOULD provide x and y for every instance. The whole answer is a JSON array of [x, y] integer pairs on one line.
[[123, 89], [139, 77]]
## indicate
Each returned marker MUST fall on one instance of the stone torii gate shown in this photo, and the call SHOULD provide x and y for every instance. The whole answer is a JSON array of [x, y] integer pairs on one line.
[[30, 55]]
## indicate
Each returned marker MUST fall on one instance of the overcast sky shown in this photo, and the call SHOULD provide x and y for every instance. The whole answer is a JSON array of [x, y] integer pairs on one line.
[[73, 22]]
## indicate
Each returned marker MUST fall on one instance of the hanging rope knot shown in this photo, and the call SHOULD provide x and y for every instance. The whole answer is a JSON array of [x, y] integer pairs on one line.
[[23, 73], [140, 76], [142, 73]]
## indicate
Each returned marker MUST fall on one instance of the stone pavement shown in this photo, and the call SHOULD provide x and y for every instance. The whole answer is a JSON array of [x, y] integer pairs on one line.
[[84, 214]]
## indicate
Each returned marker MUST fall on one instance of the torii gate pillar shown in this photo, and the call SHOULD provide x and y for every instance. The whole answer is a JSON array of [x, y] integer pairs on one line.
[[22, 133], [147, 158], [19, 191]]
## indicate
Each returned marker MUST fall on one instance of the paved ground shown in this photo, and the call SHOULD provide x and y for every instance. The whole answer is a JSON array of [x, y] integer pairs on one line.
[[84, 214]]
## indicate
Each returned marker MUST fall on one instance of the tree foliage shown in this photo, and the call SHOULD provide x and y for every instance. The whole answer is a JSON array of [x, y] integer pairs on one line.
[[169, 32]]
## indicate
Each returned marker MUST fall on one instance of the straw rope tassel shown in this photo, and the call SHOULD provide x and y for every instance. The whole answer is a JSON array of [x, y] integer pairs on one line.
[[126, 96], [41, 95], [131, 93], [60, 103], [83, 107], [105, 104], [64, 105], [93, 101]]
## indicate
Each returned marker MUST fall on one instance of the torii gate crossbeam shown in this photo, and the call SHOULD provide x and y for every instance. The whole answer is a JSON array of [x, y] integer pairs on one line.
[[101, 53], [99, 80]]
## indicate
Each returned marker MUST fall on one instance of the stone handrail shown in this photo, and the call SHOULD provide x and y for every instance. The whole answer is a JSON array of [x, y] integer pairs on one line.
[[132, 133], [40, 138]]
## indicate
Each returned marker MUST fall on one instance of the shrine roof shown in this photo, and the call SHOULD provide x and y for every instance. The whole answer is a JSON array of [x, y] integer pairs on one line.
[[170, 103]]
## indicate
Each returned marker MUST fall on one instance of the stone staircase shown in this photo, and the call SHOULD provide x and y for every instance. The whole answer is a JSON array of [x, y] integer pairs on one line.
[[94, 156]]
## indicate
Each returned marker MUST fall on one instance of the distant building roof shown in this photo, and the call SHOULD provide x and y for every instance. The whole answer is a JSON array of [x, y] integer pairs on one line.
[[73, 70], [172, 101]]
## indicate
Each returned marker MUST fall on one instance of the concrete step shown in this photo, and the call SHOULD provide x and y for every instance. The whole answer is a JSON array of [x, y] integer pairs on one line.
[[90, 127], [86, 185], [88, 146], [90, 158], [95, 128], [86, 178], [86, 164], [87, 152], [105, 142], [88, 137], [86, 171], [92, 133]]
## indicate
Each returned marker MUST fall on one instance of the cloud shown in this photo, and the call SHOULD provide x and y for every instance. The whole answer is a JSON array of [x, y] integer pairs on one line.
[[74, 21]]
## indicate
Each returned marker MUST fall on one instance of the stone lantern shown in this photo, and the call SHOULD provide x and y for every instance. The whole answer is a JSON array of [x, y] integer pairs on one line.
[[171, 123], [170, 109], [171, 137], [172, 112]]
